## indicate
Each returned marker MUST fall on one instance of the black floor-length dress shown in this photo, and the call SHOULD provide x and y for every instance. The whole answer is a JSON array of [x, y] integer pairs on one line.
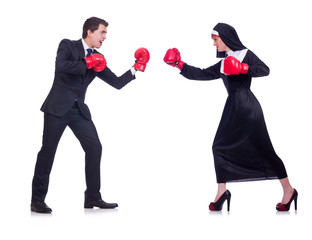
[[242, 148]]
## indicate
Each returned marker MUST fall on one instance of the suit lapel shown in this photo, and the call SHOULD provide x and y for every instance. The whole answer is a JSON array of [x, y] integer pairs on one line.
[[80, 49], [81, 54], [90, 74]]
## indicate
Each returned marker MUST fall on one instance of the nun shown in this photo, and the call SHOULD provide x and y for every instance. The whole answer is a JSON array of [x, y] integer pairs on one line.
[[242, 148]]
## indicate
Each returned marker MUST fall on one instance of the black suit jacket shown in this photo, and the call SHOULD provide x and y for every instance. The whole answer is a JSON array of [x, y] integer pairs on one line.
[[72, 79]]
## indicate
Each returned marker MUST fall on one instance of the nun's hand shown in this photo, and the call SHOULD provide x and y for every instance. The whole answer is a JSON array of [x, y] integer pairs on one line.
[[173, 58], [234, 67]]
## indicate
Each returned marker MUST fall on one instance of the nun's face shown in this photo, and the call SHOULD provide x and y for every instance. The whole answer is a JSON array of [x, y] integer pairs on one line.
[[219, 44]]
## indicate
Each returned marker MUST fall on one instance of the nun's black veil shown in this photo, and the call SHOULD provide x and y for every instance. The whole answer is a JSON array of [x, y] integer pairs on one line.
[[229, 36]]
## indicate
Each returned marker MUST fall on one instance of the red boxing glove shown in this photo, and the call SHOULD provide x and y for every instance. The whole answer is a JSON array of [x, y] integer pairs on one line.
[[101, 66], [173, 58], [234, 67], [142, 55], [94, 59]]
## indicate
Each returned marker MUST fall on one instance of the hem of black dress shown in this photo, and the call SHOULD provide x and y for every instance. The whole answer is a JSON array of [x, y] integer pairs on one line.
[[249, 179]]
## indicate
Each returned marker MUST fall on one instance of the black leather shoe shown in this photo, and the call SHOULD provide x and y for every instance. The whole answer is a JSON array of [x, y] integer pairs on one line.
[[40, 207], [100, 204]]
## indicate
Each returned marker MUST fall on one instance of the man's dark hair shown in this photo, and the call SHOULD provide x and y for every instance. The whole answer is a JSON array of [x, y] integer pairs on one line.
[[92, 24]]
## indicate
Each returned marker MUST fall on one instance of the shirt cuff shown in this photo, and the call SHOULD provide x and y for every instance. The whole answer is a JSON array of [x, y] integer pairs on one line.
[[133, 71]]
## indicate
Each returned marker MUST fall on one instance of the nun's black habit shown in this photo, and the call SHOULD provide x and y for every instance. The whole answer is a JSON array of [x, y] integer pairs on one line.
[[242, 148]]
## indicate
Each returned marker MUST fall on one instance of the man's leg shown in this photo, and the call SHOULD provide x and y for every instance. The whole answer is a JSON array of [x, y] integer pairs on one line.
[[86, 133], [52, 132]]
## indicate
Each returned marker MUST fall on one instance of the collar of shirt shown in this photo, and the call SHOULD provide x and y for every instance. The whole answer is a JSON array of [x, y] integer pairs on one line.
[[85, 47]]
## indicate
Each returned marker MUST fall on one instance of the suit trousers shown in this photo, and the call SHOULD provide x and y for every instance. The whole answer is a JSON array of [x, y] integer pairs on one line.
[[86, 133]]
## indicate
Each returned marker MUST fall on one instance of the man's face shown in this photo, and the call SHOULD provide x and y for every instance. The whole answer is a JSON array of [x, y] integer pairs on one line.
[[97, 37]]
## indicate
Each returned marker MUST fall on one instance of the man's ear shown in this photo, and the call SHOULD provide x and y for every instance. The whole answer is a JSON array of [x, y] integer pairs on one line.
[[89, 32]]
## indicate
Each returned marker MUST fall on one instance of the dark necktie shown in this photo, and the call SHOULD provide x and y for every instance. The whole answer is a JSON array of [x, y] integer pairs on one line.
[[89, 50]]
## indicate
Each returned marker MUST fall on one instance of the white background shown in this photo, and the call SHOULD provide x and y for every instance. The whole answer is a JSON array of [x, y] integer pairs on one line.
[[156, 132]]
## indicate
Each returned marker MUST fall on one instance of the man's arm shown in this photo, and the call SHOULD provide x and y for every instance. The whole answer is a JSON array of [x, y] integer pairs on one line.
[[66, 62], [117, 82]]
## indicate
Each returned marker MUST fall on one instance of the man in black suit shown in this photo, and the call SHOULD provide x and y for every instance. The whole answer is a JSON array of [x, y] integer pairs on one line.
[[77, 64]]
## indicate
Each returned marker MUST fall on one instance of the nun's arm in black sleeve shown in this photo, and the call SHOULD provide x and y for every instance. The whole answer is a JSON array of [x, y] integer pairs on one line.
[[257, 68], [194, 73]]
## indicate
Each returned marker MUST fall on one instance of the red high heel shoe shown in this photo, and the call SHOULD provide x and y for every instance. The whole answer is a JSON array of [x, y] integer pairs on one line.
[[217, 206], [285, 207]]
